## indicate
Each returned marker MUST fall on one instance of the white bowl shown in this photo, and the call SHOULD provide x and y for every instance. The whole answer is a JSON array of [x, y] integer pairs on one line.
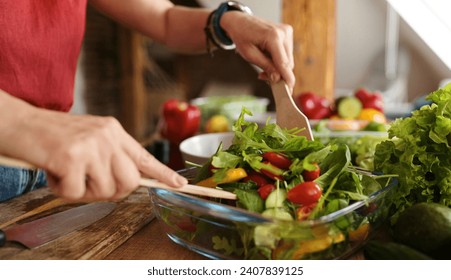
[[199, 149]]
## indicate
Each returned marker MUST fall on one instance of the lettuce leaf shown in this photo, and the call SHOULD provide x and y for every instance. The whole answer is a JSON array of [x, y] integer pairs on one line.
[[419, 151]]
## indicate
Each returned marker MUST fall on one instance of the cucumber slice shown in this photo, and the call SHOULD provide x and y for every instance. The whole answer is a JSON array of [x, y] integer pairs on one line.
[[278, 214], [276, 198], [349, 107], [267, 235]]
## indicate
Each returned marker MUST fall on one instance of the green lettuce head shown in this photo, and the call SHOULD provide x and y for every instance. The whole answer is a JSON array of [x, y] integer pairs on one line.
[[418, 150]]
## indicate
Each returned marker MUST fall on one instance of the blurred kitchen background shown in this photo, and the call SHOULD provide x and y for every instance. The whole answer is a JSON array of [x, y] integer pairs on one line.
[[122, 74]]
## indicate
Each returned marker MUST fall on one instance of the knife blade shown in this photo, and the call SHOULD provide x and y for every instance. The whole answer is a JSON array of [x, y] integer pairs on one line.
[[44, 230]]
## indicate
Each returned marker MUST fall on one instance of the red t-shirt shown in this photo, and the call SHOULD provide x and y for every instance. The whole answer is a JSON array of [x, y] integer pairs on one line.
[[40, 41]]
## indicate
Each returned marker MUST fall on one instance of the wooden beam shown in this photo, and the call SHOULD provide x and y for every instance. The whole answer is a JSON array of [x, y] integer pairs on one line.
[[133, 92], [314, 29]]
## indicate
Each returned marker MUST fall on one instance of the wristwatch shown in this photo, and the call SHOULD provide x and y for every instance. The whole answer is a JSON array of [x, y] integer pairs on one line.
[[213, 29]]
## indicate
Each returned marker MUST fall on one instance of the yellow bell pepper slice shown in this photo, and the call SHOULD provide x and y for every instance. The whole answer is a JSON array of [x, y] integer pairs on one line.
[[232, 175]]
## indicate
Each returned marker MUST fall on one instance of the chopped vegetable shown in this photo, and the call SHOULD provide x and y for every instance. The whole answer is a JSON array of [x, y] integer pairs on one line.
[[276, 199], [265, 190], [349, 107], [231, 175], [257, 178], [305, 193], [277, 159], [310, 175]]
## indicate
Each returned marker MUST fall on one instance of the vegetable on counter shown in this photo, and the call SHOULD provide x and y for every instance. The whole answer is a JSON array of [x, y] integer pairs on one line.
[[217, 123], [378, 250], [419, 151], [313, 106], [370, 100], [180, 120], [425, 227], [363, 105], [348, 107]]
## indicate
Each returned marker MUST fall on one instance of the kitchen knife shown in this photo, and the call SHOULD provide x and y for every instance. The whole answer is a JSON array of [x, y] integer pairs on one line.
[[43, 230]]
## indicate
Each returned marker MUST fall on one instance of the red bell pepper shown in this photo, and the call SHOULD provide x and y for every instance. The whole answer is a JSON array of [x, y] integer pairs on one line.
[[180, 120], [369, 99], [313, 106]]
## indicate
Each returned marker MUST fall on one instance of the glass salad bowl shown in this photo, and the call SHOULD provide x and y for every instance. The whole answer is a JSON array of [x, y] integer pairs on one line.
[[218, 230], [296, 199]]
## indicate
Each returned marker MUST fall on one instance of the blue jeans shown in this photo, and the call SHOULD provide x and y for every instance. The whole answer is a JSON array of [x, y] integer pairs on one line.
[[17, 181]]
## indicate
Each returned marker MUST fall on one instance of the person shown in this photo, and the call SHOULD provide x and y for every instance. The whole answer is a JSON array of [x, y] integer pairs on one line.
[[87, 157]]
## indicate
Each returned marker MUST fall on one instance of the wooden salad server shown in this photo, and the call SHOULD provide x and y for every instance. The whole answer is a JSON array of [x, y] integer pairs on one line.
[[288, 114], [146, 182]]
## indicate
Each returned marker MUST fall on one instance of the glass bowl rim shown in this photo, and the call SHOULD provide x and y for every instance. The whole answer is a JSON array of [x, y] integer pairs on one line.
[[231, 213]]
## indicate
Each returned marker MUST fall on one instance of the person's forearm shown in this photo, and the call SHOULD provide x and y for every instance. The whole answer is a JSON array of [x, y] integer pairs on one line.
[[179, 28], [186, 29], [260, 42], [14, 114]]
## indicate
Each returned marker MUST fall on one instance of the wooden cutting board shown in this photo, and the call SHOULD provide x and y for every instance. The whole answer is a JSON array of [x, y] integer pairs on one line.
[[95, 241]]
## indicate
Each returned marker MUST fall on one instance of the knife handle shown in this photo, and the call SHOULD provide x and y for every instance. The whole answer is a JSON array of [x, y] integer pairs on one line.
[[2, 238]]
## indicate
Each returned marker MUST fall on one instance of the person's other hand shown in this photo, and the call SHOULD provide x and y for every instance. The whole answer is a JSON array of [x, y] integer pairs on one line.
[[265, 44], [88, 157]]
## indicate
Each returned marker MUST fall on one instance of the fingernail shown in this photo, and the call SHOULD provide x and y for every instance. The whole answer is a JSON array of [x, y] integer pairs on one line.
[[181, 180], [275, 77]]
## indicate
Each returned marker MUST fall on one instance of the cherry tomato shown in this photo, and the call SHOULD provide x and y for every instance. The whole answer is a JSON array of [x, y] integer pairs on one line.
[[311, 175], [271, 171], [304, 211], [265, 190], [305, 193], [277, 159], [212, 169], [271, 175], [186, 225], [256, 177]]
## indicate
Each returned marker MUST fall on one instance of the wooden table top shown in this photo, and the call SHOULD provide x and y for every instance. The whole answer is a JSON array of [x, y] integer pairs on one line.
[[151, 243], [130, 232]]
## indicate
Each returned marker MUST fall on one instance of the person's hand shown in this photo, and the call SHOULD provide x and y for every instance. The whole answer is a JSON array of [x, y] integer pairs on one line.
[[265, 44], [87, 157]]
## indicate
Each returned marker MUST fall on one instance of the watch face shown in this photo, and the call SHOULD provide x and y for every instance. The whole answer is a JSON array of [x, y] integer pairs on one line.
[[236, 6]]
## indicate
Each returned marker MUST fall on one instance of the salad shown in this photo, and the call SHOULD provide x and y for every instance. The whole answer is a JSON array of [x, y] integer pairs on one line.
[[305, 188]]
